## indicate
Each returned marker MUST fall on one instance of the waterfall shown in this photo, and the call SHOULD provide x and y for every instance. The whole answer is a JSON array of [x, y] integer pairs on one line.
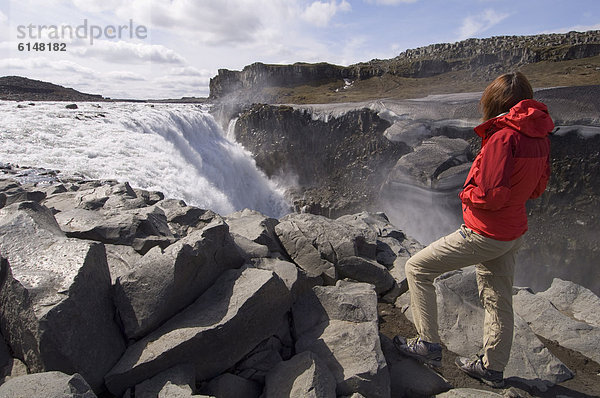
[[177, 149]]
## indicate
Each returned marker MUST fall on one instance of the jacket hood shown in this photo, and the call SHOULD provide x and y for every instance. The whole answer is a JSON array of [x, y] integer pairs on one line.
[[529, 117]]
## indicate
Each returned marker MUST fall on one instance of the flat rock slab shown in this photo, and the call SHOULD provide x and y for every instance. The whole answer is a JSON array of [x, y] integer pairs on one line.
[[55, 297], [287, 271], [182, 376], [249, 249], [339, 324], [316, 243], [141, 228], [460, 317], [183, 219], [163, 282], [121, 260], [304, 375], [47, 385], [575, 300], [364, 270], [373, 225], [392, 243], [547, 321], [241, 309], [255, 226]]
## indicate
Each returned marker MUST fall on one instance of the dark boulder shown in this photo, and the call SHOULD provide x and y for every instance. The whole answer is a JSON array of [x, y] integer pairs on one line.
[[163, 282], [55, 296], [207, 333]]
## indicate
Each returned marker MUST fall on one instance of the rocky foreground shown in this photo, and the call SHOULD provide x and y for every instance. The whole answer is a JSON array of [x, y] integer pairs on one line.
[[110, 290]]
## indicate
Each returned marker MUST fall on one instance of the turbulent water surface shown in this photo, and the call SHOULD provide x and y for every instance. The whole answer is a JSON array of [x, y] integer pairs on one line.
[[178, 149]]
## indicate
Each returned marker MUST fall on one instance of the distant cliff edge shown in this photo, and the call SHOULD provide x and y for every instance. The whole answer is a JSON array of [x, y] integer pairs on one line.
[[23, 89], [480, 58]]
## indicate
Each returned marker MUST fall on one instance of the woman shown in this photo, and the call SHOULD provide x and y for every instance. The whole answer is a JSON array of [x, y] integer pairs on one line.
[[512, 167]]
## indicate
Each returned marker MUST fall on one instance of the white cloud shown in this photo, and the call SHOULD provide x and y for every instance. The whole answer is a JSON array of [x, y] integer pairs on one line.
[[97, 6], [218, 23], [189, 71], [390, 2], [320, 13], [125, 52], [576, 28], [4, 32], [212, 22], [46, 64], [125, 75], [475, 24], [180, 86]]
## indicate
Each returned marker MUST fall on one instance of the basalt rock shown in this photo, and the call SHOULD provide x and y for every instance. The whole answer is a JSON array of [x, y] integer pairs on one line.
[[304, 375], [575, 300], [294, 279], [121, 260], [227, 82], [183, 219], [548, 320], [141, 228], [369, 271], [391, 242], [55, 296], [339, 324], [47, 384], [206, 334], [231, 386], [182, 376], [164, 282], [255, 227], [317, 244]]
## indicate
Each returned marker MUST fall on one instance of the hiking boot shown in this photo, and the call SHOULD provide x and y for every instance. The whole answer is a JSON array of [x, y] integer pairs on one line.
[[423, 351], [476, 369]]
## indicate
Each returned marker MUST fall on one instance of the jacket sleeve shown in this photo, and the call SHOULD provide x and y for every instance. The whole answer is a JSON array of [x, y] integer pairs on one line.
[[489, 188], [543, 182]]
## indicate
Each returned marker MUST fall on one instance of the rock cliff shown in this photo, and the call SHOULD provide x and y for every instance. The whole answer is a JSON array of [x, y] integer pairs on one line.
[[482, 57], [337, 163], [509, 50], [23, 89], [260, 75]]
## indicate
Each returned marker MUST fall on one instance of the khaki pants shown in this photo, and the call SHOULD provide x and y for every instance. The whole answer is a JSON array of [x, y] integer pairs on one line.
[[495, 271]]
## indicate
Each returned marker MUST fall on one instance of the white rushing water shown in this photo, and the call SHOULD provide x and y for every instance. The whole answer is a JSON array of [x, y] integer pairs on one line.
[[177, 149]]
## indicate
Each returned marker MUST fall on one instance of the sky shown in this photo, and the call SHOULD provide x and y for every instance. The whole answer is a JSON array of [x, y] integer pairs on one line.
[[171, 48]]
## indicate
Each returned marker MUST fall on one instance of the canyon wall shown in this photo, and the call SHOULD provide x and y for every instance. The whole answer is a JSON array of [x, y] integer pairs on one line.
[[484, 56], [395, 156]]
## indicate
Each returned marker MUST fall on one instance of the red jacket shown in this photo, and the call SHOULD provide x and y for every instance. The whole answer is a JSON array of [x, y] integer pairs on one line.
[[512, 167]]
